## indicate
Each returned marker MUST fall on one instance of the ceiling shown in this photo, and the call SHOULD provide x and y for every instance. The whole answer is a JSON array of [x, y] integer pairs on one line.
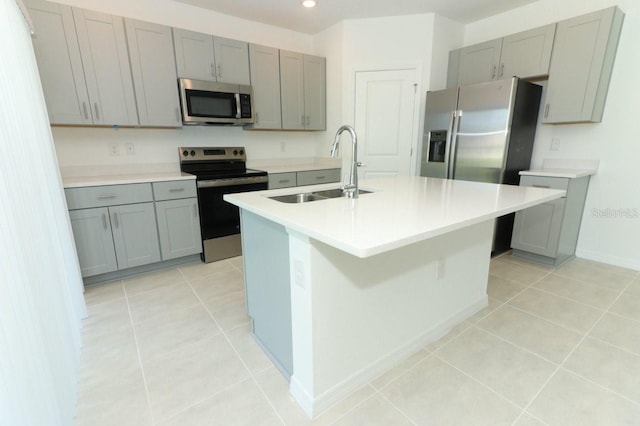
[[290, 13]]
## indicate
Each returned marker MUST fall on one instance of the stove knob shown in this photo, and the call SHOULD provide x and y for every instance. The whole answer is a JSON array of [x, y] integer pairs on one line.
[[235, 152], [185, 152], [242, 152], [193, 153]]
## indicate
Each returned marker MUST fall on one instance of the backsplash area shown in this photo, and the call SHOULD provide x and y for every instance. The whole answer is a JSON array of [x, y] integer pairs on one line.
[[82, 146]]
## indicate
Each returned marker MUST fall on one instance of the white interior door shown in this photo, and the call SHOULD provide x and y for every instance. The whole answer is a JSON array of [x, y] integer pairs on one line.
[[386, 121]]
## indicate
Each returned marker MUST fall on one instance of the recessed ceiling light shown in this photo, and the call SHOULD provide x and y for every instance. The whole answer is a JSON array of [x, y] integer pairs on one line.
[[309, 3]]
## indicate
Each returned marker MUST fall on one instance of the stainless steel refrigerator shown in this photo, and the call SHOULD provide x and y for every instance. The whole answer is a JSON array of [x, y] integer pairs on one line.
[[484, 133]]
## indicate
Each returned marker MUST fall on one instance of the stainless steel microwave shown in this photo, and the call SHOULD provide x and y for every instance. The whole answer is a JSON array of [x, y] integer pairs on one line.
[[208, 102]]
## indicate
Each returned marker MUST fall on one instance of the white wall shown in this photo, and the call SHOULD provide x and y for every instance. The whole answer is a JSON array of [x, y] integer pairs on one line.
[[614, 141], [40, 284], [83, 145]]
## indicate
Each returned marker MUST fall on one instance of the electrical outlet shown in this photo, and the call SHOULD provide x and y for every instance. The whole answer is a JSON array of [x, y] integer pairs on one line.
[[555, 144], [130, 148], [114, 149]]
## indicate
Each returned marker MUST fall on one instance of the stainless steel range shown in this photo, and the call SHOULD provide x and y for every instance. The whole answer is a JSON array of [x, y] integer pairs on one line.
[[220, 171]]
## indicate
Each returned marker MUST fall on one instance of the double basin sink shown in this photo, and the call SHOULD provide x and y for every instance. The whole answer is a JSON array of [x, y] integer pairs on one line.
[[306, 197]]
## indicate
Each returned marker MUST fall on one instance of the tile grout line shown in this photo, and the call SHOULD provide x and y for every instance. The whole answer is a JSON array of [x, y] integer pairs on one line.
[[135, 337], [566, 358], [244, 364]]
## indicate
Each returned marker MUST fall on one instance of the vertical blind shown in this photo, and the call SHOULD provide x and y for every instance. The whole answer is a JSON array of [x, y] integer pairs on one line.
[[41, 301]]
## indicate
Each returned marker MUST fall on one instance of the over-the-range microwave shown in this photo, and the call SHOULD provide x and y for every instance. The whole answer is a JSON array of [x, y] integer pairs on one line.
[[208, 102]]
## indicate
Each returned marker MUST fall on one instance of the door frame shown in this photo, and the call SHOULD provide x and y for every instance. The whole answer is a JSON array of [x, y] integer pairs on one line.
[[418, 106]]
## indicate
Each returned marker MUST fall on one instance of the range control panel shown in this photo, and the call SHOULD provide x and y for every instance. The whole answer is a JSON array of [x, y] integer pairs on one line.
[[188, 154]]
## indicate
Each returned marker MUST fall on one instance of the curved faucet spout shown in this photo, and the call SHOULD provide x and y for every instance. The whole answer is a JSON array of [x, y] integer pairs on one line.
[[351, 189]]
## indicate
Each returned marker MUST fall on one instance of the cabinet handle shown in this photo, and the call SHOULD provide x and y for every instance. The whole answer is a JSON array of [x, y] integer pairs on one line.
[[219, 71], [178, 114], [106, 197], [493, 72], [195, 210], [308, 120], [85, 110], [115, 219], [95, 105], [320, 177], [501, 70], [541, 186], [104, 221], [213, 70], [176, 190], [284, 181], [546, 111], [302, 120], [257, 118]]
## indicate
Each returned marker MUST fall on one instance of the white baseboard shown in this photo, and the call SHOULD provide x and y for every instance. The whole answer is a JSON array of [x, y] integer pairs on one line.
[[314, 407], [624, 262]]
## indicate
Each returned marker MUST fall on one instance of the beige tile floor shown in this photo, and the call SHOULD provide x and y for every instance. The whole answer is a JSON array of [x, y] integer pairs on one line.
[[556, 346]]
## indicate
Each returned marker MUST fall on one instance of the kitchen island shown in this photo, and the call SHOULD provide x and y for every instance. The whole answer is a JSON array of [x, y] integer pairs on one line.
[[340, 290]]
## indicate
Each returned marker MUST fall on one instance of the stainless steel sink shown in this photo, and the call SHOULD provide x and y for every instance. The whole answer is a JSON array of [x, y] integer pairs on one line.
[[306, 197]]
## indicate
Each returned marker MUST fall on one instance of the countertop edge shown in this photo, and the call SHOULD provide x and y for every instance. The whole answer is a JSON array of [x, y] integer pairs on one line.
[[85, 181]]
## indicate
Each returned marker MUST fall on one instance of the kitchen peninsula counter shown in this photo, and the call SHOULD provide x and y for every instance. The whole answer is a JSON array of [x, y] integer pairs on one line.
[[340, 290]]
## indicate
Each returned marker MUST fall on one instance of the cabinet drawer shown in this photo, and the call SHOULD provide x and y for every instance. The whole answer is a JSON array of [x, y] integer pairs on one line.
[[282, 180], [313, 177], [545, 182], [107, 195], [174, 189]]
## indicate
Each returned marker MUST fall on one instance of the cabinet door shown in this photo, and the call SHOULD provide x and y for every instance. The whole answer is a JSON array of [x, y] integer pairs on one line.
[[292, 90], [265, 79], [581, 65], [179, 228], [479, 63], [527, 54], [453, 68], [154, 73], [537, 229], [194, 55], [282, 180], [135, 234], [313, 177], [315, 93], [94, 243], [232, 61], [106, 66], [58, 56]]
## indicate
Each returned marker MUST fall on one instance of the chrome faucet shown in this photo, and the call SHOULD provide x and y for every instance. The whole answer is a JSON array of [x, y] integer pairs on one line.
[[350, 189]]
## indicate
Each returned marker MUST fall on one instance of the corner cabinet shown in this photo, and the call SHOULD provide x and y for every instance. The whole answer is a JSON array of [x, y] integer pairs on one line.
[[548, 233], [303, 91], [83, 64], [154, 73], [581, 67], [265, 81], [205, 57]]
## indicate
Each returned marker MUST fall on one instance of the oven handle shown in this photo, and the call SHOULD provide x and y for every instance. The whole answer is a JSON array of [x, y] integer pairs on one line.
[[216, 183]]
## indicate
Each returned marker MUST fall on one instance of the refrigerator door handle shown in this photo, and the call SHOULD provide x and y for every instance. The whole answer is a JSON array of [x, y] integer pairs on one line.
[[453, 143], [449, 139]]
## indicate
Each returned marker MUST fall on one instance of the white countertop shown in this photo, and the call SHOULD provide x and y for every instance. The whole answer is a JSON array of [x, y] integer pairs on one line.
[[98, 175], [561, 173], [399, 211]]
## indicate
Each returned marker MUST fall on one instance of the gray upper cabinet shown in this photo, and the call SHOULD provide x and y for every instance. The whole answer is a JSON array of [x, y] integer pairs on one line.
[[103, 48], [83, 63], [205, 57], [265, 79], [527, 54], [194, 55], [303, 91], [479, 63], [154, 73], [58, 55], [581, 66]]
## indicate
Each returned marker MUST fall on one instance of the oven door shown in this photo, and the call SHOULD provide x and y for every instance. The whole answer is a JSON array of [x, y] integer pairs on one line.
[[217, 217]]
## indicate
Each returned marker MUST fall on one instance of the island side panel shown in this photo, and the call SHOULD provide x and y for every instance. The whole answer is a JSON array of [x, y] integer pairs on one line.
[[265, 247], [354, 318]]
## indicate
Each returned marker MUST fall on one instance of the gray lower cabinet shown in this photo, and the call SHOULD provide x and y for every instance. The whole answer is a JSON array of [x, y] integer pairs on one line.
[[282, 180], [178, 228], [548, 233], [302, 178], [116, 237]]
